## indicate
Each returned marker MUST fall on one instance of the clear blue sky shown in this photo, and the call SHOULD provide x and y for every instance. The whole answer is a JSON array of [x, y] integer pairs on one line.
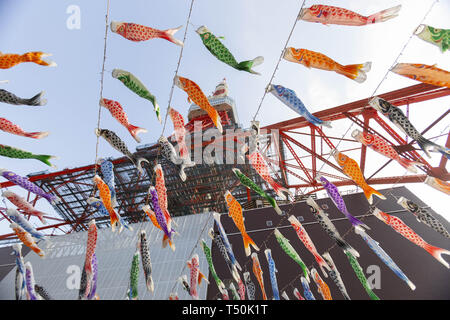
[[251, 28]]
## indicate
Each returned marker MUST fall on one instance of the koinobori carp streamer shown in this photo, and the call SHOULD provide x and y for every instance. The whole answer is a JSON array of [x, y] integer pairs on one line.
[[161, 190], [116, 110], [306, 240], [196, 95], [246, 181], [11, 98], [312, 59], [290, 251], [22, 204], [113, 139], [351, 168], [376, 248], [438, 184], [159, 213], [381, 146], [28, 185], [359, 272], [134, 84], [146, 262], [422, 215], [152, 215], [207, 251], [289, 98], [436, 36], [329, 227], [137, 32], [16, 153], [235, 212], [20, 285], [259, 164], [215, 236], [249, 285], [168, 152], [196, 276], [132, 292], [335, 15], [335, 275], [272, 272], [398, 225], [213, 44], [26, 238], [8, 126], [90, 250], [322, 287], [98, 204], [397, 117], [105, 196], [339, 202], [180, 131], [19, 219], [423, 73], [226, 246], [107, 169], [257, 271], [9, 60]]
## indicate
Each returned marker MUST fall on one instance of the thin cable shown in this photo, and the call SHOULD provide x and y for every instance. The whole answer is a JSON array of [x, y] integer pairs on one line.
[[101, 83], [279, 60], [404, 47], [193, 249], [178, 65]]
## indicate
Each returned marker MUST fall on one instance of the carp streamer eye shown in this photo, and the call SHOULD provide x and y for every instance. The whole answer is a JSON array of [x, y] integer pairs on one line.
[[412, 206]]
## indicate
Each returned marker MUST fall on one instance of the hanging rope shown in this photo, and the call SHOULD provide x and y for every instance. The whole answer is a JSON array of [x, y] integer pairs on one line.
[[101, 83], [279, 60], [178, 65]]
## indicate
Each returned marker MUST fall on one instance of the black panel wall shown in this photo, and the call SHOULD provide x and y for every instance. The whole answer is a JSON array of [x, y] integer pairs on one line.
[[432, 279]]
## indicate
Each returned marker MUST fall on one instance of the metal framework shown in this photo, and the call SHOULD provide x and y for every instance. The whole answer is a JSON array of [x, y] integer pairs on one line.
[[361, 114], [206, 184], [202, 191]]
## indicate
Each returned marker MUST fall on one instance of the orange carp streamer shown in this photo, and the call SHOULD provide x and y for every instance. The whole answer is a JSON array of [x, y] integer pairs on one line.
[[196, 95], [423, 73], [9, 60], [312, 59], [351, 169]]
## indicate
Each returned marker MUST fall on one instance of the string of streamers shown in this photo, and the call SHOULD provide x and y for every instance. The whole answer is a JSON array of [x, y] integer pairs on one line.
[[168, 106], [152, 175], [263, 244], [279, 60]]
